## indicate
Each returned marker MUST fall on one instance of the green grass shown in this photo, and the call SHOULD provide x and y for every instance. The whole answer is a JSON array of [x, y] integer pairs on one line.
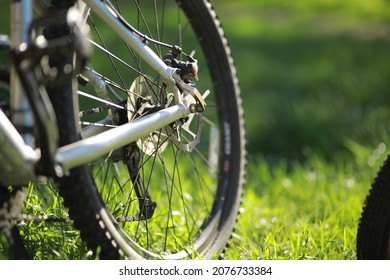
[[290, 211], [314, 75], [304, 211]]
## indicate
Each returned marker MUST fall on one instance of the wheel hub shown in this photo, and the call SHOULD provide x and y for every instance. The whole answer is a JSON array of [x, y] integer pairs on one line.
[[146, 97]]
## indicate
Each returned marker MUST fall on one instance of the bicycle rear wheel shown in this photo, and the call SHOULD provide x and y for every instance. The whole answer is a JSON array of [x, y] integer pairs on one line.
[[373, 236], [176, 192]]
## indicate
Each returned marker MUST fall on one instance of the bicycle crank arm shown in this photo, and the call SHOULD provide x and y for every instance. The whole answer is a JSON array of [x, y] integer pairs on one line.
[[89, 149]]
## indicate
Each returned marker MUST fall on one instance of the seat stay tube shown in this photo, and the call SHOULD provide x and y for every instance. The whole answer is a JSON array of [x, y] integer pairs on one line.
[[115, 22]]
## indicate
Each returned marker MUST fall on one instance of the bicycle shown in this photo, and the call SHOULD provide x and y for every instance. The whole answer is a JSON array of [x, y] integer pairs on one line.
[[145, 139], [373, 235]]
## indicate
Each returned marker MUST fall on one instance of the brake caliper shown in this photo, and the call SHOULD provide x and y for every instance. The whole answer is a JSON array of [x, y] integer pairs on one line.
[[186, 72]]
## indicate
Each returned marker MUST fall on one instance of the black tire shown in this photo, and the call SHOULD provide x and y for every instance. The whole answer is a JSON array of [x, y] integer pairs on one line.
[[194, 229], [373, 234]]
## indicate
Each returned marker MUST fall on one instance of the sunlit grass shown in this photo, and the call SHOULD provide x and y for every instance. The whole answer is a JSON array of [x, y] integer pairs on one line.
[[52, 239], [305, 211], [301, 211]]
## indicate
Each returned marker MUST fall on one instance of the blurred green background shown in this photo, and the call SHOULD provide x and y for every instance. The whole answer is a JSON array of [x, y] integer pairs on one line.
[[314, 73]]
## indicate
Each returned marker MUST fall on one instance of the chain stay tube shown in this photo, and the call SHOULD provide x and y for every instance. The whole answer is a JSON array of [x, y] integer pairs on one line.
[[86, 150]]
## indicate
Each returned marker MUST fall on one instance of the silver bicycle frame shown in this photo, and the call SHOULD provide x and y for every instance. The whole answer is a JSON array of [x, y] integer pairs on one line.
[[91, 148], [16, 155]]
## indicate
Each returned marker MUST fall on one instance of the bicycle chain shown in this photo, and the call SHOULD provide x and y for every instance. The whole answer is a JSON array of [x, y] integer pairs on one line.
[[26, 218]]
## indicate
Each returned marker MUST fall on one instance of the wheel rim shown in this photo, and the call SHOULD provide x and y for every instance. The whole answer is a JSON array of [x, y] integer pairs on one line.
[[183, 185]]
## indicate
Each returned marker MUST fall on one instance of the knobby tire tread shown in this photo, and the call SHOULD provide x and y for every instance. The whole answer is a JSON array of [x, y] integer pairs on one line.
[[374, 226]]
